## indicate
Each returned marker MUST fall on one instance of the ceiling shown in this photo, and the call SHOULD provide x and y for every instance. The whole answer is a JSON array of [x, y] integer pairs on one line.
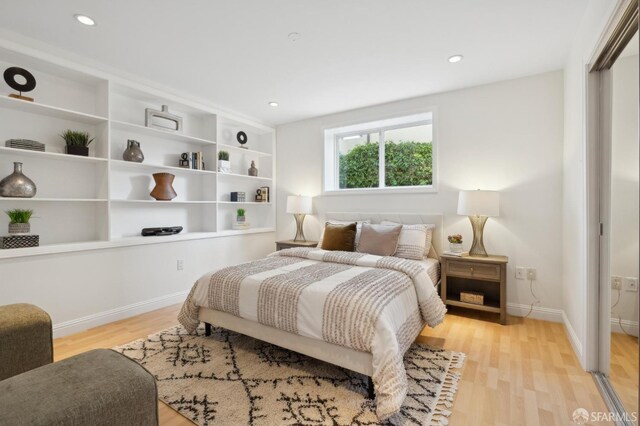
[[236, 54]]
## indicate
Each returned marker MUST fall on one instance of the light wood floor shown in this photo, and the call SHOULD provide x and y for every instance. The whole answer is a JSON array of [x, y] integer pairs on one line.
[[624, 369], [524, 373]]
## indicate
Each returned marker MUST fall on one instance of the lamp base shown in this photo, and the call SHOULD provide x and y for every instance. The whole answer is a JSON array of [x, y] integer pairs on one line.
[[477, 224], [299, 227]]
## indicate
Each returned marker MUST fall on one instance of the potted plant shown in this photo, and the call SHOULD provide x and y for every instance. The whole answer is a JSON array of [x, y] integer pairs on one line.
[[19, 221], [240, 217], [77, 142], [224, 165], [455, 243]]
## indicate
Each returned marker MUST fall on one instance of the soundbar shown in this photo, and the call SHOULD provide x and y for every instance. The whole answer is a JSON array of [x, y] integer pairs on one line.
[[170, 230]]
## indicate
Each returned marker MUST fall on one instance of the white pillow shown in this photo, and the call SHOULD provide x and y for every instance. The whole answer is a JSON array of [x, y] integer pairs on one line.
[[345, 222], [415, 240]]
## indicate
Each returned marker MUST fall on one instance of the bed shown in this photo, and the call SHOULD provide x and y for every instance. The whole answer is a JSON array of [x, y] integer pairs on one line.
[[354, 310]]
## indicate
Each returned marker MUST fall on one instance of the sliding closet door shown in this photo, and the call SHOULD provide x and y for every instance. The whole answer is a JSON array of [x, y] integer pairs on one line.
[[624, 219]]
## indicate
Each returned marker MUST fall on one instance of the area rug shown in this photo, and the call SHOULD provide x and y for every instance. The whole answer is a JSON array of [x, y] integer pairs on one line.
[[231, 379]]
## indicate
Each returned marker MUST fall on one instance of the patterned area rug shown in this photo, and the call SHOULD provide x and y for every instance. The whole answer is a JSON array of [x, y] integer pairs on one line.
[[231, 379]]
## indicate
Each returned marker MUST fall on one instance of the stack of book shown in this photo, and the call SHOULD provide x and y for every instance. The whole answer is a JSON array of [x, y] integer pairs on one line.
[[192, 160]]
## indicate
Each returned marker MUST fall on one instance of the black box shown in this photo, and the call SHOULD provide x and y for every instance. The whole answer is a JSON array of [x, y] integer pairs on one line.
[[19, 241]]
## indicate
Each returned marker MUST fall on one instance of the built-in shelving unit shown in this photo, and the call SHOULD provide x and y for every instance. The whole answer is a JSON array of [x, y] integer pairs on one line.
[[102, 201]]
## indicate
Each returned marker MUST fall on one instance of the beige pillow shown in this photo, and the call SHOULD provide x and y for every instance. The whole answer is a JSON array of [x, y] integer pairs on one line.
[[414, 241], [381, 240]]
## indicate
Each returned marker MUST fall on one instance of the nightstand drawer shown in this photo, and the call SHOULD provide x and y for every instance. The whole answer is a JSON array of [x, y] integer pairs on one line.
[[480, 271]]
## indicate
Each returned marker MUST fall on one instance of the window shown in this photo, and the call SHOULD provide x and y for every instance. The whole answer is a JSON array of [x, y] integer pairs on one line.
[[394, 154]]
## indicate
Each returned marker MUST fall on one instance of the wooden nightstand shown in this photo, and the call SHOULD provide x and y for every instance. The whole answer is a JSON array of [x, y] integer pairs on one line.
[[281, 245], [486, 275]]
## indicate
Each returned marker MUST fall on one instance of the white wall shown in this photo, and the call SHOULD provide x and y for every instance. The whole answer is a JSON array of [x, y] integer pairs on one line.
[[505, 136], [574, 201], [624, 182], [84, 289]]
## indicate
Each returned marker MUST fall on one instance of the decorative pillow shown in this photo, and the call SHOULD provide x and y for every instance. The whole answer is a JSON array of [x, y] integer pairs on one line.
[[415, 240], [339, 237], [381, 240], [345, 222]]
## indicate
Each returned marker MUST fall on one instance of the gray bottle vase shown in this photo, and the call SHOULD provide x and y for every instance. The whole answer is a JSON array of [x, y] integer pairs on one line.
[[133, 152], [17, 185]]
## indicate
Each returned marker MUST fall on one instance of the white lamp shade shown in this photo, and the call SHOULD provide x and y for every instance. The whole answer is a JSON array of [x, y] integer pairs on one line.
[[479, 203], [299, 204]]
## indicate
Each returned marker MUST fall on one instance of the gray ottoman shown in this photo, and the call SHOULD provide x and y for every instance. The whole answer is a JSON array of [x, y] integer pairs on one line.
[[99, 387]]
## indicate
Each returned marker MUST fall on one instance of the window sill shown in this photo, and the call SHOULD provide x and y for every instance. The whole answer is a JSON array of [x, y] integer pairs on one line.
[[377, 191]]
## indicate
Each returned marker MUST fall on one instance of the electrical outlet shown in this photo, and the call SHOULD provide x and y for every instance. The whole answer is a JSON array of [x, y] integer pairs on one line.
[[531, 274], [616, 282], [180, 265], [521, 273], [631, 284]]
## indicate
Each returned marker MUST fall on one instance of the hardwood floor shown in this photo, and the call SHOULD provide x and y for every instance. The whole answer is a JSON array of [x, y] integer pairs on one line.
[[524, 373], [624, 369]]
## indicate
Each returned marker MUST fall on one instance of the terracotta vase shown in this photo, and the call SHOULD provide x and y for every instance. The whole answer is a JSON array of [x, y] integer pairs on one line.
[[163, 190]]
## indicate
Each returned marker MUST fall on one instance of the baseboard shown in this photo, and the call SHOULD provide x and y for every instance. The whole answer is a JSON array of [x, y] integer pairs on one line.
[[538, 312], [573, 339], [80, 324], [631, 327]]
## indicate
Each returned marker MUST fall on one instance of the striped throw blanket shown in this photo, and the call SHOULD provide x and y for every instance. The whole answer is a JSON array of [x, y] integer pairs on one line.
[[368, 303]]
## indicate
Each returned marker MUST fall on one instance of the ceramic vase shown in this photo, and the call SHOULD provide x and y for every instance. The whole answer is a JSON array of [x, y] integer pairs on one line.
[[17, 185], [456, 247], [133, 152], [163, 190], [19, 228]]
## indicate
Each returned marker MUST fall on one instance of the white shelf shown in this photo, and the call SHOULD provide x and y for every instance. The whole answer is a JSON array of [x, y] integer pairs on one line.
[[243, 202], [163, 202], [130, 164], [123, 242], [50, 111], [230, 232], [224, 147], [51, 155], [159, 133], [56, 200], [245, 176], [122, 206]]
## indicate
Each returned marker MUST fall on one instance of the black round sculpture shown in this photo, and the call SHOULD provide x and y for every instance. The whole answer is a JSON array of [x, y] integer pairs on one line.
[[242, 138], [29, 84]]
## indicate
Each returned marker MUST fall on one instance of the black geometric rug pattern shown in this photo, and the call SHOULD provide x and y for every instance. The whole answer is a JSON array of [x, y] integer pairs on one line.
[[231, 379]]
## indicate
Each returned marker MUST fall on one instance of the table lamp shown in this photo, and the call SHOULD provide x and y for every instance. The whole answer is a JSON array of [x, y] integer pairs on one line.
[[478, 205], [300, 206]]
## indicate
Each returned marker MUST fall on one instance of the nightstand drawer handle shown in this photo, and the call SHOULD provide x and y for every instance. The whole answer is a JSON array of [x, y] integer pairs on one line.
[[471, 269]]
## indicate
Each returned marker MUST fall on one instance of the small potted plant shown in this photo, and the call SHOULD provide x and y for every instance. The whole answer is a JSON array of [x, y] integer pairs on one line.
[[240, 217], [224, 165], [77, 142], [455, 243], [19, 221]]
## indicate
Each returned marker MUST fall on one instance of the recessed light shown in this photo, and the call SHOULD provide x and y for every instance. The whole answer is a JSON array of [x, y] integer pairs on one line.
[[85, 20], [273, 104], [455, 58], [294, 36]]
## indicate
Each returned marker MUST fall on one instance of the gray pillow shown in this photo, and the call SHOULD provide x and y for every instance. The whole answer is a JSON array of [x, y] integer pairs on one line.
[[381, 240]]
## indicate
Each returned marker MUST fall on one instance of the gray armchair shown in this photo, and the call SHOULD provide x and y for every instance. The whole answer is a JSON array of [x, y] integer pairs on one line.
[[99, 387]]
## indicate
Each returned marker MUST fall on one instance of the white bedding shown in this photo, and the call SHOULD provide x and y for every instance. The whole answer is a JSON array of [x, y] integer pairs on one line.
[[365, 302]]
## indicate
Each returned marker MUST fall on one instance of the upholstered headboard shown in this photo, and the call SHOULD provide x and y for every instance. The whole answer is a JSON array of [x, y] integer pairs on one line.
[[404, 218]]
